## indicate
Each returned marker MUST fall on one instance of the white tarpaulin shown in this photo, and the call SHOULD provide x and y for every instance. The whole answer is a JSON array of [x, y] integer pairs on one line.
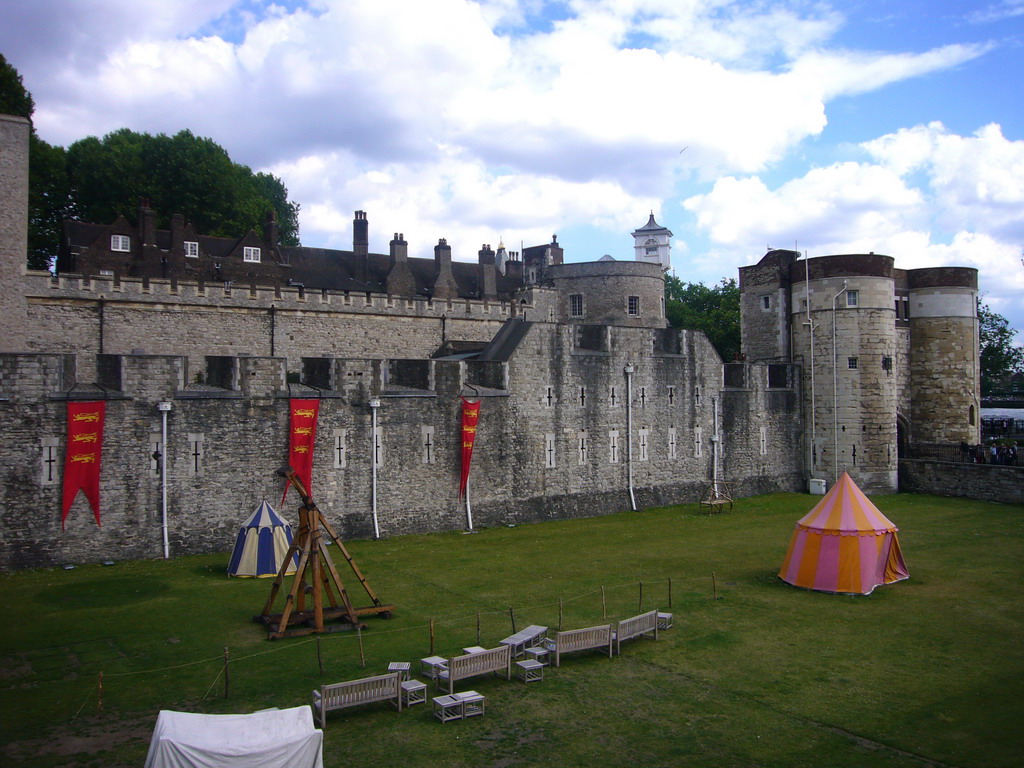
[[277, 738]]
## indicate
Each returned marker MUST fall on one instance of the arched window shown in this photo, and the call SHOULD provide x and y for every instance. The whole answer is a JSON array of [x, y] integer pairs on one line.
[[970, 415]]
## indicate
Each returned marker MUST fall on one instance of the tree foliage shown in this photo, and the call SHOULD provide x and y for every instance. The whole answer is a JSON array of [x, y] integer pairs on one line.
[[1000, 358], [49, 201], [183, 173], [715, 310], [100, 179]]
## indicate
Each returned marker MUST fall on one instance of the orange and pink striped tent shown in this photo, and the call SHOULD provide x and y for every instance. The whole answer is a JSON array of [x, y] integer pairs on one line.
[[844, 545]]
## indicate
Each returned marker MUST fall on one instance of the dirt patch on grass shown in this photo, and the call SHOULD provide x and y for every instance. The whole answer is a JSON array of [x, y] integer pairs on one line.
[[78, 745]]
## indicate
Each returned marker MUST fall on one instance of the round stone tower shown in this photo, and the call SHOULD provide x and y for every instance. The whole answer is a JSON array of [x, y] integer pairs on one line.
[[14, 135], [843, 326], [944, 357]]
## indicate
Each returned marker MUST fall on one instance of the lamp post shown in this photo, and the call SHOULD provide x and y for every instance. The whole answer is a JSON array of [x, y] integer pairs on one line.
[[374, 405], [164, 407]]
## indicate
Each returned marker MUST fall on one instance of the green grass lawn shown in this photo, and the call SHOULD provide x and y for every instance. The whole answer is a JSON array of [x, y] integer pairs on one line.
[[924, 672]]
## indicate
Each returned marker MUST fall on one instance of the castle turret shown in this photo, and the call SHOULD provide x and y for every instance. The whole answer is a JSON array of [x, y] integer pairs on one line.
[[14, 133], [653, 244], [945, 386]]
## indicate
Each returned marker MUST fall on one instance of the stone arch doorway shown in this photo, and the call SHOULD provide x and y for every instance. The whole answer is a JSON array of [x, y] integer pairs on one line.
[[902, 436]]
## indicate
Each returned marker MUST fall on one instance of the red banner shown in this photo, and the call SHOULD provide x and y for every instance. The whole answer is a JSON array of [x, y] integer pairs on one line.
[[470, 416], [302, 437], [82, 456]]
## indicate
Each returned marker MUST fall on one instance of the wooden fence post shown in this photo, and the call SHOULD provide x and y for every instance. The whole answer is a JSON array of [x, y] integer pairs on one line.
[[362, 656], [512, 615], [319, 657], [431, 637], [559, 613], [670, 592], [227, 674], [640, 607], [604, 605]]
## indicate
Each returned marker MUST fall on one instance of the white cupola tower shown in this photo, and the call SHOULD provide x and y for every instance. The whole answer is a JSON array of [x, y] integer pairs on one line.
[[653, 244]]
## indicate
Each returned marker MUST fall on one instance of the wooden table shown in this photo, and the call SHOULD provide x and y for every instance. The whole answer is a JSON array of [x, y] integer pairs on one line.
[[459, 706], [525, 638]]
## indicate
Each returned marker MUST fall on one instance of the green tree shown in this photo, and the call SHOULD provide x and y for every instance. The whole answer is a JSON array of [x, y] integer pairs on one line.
[[49, 200], [183, 173], [715, 310], [1000, 358]]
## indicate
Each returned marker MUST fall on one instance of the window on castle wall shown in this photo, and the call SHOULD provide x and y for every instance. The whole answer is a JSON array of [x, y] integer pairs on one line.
[[583, 397], [764, 441], [970, 416], [50, 461], [671, 395], [106, 273], [427, 456], [613, 446], [766, 302], [250, 254], [549, 451], [643, 450], [377, 445], [633, 306], [887, 363], [672, 442], [195, 455], [340, 448], [851, 363], [191, 249], [576, 305], [155, 450], [583, 447], [852, 298], [698, 437], [121, 243]]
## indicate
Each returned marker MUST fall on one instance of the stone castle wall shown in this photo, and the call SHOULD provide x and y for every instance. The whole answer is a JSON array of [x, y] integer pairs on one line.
[[225, 445]]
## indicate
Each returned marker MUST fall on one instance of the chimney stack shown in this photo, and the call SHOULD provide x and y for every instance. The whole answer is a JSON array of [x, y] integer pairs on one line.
[[444, 286]]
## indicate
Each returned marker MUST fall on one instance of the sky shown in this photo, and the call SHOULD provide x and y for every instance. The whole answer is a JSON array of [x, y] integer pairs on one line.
[[892, 126]]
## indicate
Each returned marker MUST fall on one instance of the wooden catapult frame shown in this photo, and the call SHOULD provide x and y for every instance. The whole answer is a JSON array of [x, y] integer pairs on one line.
[[315, 576]]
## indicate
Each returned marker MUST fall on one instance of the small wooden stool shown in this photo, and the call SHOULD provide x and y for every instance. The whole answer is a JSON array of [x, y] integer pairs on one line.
[[538, 653], [530, 671], [413, 692]]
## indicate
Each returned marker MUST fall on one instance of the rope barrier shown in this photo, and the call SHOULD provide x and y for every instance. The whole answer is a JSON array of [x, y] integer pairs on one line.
[[354, 636]]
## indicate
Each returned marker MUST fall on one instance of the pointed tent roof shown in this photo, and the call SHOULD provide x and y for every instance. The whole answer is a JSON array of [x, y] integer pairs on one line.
[[263, 517], [846, 509]]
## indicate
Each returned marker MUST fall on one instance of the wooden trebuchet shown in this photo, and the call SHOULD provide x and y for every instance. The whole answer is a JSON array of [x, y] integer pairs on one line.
[[315, 575]]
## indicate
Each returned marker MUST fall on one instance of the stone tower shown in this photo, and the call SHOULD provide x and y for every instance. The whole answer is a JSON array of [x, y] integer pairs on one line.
[[944, 355], [653, 244], [14, 134], [887, 355]]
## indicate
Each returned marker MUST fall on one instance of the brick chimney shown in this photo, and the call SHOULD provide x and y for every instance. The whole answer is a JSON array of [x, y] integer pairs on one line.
[[177, 233], [444, 286], [360, 247], [400, 281], [146, 222], [360, 234], [271, 230]]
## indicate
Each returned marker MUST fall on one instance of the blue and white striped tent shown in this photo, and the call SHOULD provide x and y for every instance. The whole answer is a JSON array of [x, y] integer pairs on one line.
[[261, 545]]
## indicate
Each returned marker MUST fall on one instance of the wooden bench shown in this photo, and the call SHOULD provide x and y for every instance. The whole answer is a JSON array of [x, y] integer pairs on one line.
[[636, 626], [579, 640], [355, 692], [472, 664]]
